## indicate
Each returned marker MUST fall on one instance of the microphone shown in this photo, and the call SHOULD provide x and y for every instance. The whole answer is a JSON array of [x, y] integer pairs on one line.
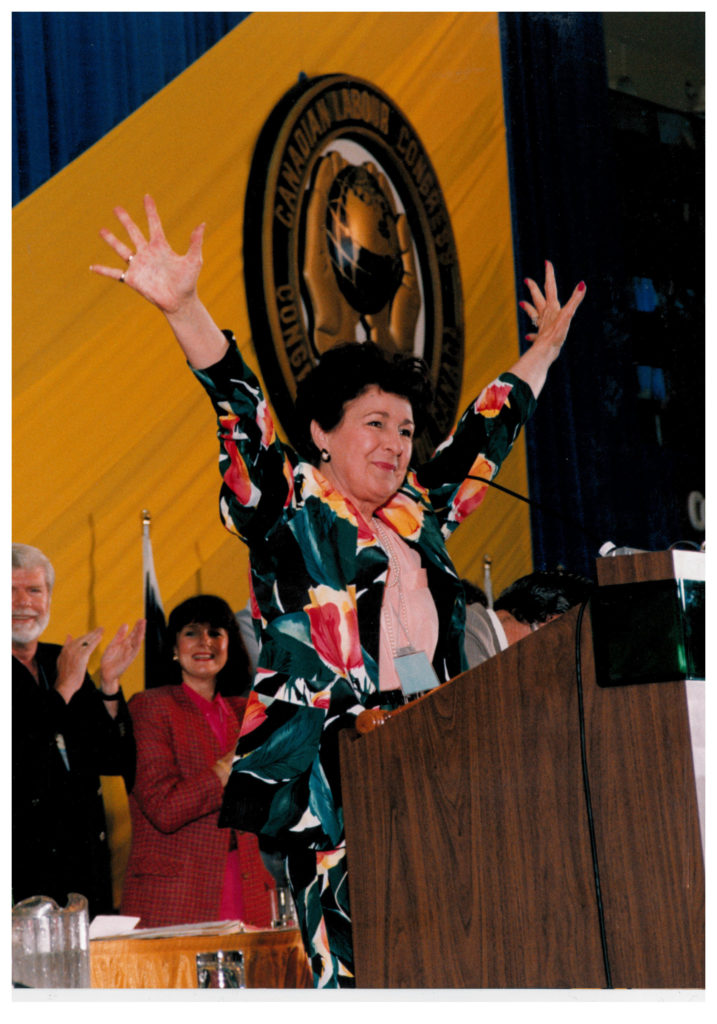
[[609, 550]]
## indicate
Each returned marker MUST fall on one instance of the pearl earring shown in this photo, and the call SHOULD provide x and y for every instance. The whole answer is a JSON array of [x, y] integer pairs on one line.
[[325, 455]]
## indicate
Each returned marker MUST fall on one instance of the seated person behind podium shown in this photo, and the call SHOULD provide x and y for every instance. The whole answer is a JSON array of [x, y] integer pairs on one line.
[[341, 537], [528, 603], [182, 868], [65, 734]]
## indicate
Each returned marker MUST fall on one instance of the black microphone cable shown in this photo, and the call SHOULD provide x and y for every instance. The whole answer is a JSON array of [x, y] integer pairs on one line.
[[542, 508], [588, 798]]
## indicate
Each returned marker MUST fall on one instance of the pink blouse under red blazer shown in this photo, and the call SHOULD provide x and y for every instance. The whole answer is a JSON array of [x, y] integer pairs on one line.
[[178, 854]]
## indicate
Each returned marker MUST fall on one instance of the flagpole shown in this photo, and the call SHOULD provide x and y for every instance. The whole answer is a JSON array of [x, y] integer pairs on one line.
[[155, 634], [487, 580]]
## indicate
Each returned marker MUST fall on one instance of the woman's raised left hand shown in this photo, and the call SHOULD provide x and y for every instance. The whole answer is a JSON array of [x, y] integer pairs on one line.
[[551, 322]]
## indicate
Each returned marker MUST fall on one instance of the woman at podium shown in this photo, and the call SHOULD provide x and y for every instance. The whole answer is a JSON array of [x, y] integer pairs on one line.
[[353, 587]]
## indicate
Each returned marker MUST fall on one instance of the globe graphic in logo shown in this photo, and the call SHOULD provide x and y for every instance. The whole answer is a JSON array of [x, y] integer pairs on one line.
[[363, 245]]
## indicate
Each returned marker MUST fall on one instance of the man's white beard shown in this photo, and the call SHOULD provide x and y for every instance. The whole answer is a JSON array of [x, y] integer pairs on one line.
[[30, 630]]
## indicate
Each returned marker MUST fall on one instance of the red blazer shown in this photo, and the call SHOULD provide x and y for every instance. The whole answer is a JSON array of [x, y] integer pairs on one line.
[[178, 854]]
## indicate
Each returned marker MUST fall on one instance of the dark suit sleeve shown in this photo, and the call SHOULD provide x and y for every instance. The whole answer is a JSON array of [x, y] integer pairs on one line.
[[102, 743]]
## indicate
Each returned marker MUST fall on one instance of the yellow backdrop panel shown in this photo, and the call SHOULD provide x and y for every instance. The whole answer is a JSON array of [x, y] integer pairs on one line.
[[107, 419]]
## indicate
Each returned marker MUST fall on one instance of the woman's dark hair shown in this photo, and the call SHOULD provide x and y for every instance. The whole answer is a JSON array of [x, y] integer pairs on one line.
[[235, 678], [345, 372]]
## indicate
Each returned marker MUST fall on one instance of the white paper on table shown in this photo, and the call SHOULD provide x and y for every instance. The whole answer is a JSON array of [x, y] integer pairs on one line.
[[111, 924]]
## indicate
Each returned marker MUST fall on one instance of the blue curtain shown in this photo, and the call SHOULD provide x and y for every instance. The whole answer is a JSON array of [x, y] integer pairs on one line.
[[555, 96], [76, 75], [588, 454]]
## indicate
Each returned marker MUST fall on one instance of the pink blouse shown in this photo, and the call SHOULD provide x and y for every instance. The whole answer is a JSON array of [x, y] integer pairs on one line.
[[408, 613]]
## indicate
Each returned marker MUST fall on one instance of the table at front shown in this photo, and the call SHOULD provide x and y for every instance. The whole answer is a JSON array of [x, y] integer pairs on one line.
[[274, 958]]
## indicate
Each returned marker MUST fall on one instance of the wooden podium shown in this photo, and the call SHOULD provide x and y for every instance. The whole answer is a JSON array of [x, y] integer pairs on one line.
[[472, 861]]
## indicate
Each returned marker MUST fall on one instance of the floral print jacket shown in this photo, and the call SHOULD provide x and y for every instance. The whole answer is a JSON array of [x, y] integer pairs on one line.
[[317, 577]]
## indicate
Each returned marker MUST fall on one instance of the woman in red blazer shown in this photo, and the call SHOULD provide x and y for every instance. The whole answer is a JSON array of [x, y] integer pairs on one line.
[[182, 867]]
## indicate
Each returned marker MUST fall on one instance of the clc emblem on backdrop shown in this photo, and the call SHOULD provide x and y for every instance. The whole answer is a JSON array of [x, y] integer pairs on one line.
[[347, 237]]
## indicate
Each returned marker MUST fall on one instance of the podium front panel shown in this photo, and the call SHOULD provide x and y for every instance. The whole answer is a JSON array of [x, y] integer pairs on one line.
[[469, 850]]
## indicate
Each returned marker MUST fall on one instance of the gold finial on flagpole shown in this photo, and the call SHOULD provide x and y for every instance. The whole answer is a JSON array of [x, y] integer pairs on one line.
[[145, 517]]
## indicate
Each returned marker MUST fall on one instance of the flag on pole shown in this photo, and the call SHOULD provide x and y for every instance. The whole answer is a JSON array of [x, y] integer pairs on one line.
[[155, 636]]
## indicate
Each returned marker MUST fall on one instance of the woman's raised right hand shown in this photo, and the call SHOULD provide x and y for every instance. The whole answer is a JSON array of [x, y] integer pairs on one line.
[[168, 281], [154, 269]]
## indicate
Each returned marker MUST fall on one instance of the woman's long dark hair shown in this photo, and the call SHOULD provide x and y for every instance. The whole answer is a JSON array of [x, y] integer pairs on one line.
[[234, 679]]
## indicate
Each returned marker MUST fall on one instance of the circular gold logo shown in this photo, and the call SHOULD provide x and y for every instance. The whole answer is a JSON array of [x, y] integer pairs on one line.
[[347, 237]]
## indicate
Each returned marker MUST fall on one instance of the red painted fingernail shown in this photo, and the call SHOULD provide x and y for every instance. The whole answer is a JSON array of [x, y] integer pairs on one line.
[[581, 286]]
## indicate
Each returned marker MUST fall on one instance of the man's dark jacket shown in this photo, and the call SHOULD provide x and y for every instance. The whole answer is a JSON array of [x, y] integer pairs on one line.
[[59, 831]]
